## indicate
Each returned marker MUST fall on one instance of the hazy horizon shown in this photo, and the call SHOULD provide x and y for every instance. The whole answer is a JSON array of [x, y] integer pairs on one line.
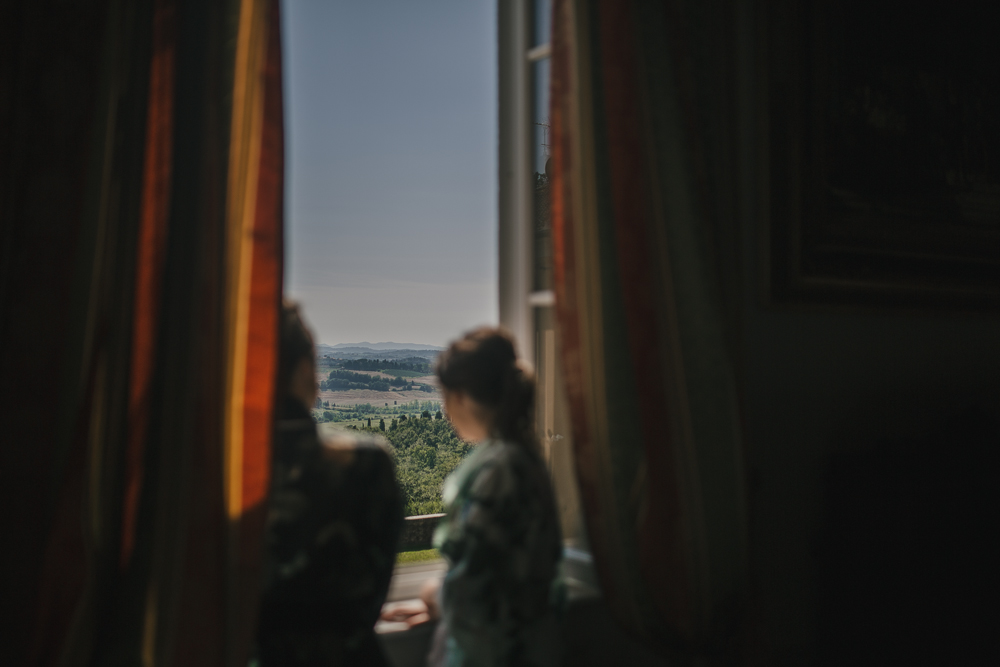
[[391, 168], [379, 345]]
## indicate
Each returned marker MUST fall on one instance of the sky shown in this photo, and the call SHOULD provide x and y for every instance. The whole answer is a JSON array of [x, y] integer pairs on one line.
[[391, 138]]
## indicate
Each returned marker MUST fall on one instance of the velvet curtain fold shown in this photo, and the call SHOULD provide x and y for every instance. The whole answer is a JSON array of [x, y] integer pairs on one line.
[[643, 322], [140, 286]]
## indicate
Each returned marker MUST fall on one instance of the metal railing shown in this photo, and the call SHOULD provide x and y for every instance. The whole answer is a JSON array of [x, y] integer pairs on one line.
[[418, 531]]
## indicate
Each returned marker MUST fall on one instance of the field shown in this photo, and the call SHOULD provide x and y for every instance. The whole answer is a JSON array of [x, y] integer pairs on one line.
[[354, 407], [377, 398], [383, 395]]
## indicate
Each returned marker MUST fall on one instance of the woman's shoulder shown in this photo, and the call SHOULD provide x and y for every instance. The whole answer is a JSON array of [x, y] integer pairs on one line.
[[502, 469], [358, 463], [514, 456], [350, 449], [489, 456]]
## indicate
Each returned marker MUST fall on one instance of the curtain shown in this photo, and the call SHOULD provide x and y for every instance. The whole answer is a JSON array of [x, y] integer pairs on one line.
[[140, 286], [645, 314]]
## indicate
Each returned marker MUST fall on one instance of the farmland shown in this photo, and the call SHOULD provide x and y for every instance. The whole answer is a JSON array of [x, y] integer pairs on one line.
[[397, 398], [358, 412], [379, 382]]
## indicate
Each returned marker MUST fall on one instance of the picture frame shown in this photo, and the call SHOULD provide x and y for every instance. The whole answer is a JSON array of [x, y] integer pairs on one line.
[[883, 141]]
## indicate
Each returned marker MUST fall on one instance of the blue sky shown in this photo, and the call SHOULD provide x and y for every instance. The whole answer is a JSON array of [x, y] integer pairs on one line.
[[390, 111]]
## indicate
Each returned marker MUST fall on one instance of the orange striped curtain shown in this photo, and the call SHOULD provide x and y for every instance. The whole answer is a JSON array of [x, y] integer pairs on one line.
[[643, 327], [140, 284]]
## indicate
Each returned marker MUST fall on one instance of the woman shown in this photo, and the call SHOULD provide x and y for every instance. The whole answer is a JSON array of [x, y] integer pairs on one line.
[[501, 534], [335, 516]]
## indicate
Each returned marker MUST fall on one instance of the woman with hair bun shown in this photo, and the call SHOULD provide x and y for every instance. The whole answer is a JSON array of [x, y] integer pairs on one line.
[[498, 602]]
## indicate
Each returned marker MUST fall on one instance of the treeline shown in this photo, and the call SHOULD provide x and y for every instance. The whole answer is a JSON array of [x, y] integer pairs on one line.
[[343, 380], [425, 450], [339, 380], [328, 411], [387, 365]]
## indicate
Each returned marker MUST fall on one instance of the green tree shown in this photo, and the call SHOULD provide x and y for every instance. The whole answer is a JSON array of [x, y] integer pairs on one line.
[[438, 415], [381, 424], [426, 451], [425, 414], [327, 416]]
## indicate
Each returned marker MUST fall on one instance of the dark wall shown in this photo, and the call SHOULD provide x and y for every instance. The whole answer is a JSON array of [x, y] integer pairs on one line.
[[822, 388], [828, 394]]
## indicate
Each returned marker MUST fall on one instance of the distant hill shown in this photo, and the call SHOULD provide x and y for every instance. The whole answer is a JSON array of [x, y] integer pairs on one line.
[[386, 346], [348, 352]]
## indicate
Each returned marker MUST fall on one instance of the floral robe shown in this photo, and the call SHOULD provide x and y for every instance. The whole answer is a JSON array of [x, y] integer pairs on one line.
[[501, 536]]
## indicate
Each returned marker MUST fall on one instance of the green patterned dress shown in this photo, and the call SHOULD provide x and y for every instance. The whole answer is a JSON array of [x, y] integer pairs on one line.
[[503, 593]]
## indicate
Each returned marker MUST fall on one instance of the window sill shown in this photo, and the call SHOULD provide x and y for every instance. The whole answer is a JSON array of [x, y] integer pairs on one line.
[[405, 646], [591, 638]]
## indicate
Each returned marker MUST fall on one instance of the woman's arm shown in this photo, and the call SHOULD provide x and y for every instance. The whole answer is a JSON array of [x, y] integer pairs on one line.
[[483, 547], [416, 612]]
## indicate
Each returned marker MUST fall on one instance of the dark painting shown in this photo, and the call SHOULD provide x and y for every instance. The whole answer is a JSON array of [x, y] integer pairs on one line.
[[885, 153]]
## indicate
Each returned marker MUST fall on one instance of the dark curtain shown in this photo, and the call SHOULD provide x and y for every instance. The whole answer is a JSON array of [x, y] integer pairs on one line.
[[141, 178], [645, 299]]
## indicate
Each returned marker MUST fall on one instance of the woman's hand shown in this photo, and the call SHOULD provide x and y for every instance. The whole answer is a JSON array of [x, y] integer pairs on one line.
[[415, 612], [411, 612], [429, 596]]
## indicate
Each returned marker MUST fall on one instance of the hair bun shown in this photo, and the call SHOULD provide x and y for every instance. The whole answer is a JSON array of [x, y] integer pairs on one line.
[[484, 364], [517, 408]]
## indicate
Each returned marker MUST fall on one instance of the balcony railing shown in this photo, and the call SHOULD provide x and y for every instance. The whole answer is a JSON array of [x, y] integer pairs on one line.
[[418, 531]]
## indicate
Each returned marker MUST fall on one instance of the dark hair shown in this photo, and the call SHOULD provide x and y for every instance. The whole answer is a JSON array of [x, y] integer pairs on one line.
[[296, 344], [483, 364]]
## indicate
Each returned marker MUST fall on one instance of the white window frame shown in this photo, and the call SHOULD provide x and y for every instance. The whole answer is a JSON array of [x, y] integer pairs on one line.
[[520, 303], [516, 252]]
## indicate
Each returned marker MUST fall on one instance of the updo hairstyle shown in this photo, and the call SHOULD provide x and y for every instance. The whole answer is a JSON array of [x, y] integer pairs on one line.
[[483, 364]]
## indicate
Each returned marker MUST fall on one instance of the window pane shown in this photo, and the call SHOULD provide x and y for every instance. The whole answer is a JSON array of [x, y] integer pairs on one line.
[[543, 22], [540, 113], [540, 157]]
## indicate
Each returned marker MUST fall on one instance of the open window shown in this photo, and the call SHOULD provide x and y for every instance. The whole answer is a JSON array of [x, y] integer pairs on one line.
[[527, 302]]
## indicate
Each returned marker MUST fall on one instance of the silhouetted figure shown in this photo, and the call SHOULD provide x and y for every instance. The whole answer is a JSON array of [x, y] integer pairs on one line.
[[335, 518]]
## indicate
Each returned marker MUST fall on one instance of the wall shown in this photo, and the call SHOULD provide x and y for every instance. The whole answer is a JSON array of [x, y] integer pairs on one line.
[[818, 381]]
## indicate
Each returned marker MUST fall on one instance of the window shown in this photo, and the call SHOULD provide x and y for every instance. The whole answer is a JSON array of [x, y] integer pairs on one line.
[[525, 263]]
